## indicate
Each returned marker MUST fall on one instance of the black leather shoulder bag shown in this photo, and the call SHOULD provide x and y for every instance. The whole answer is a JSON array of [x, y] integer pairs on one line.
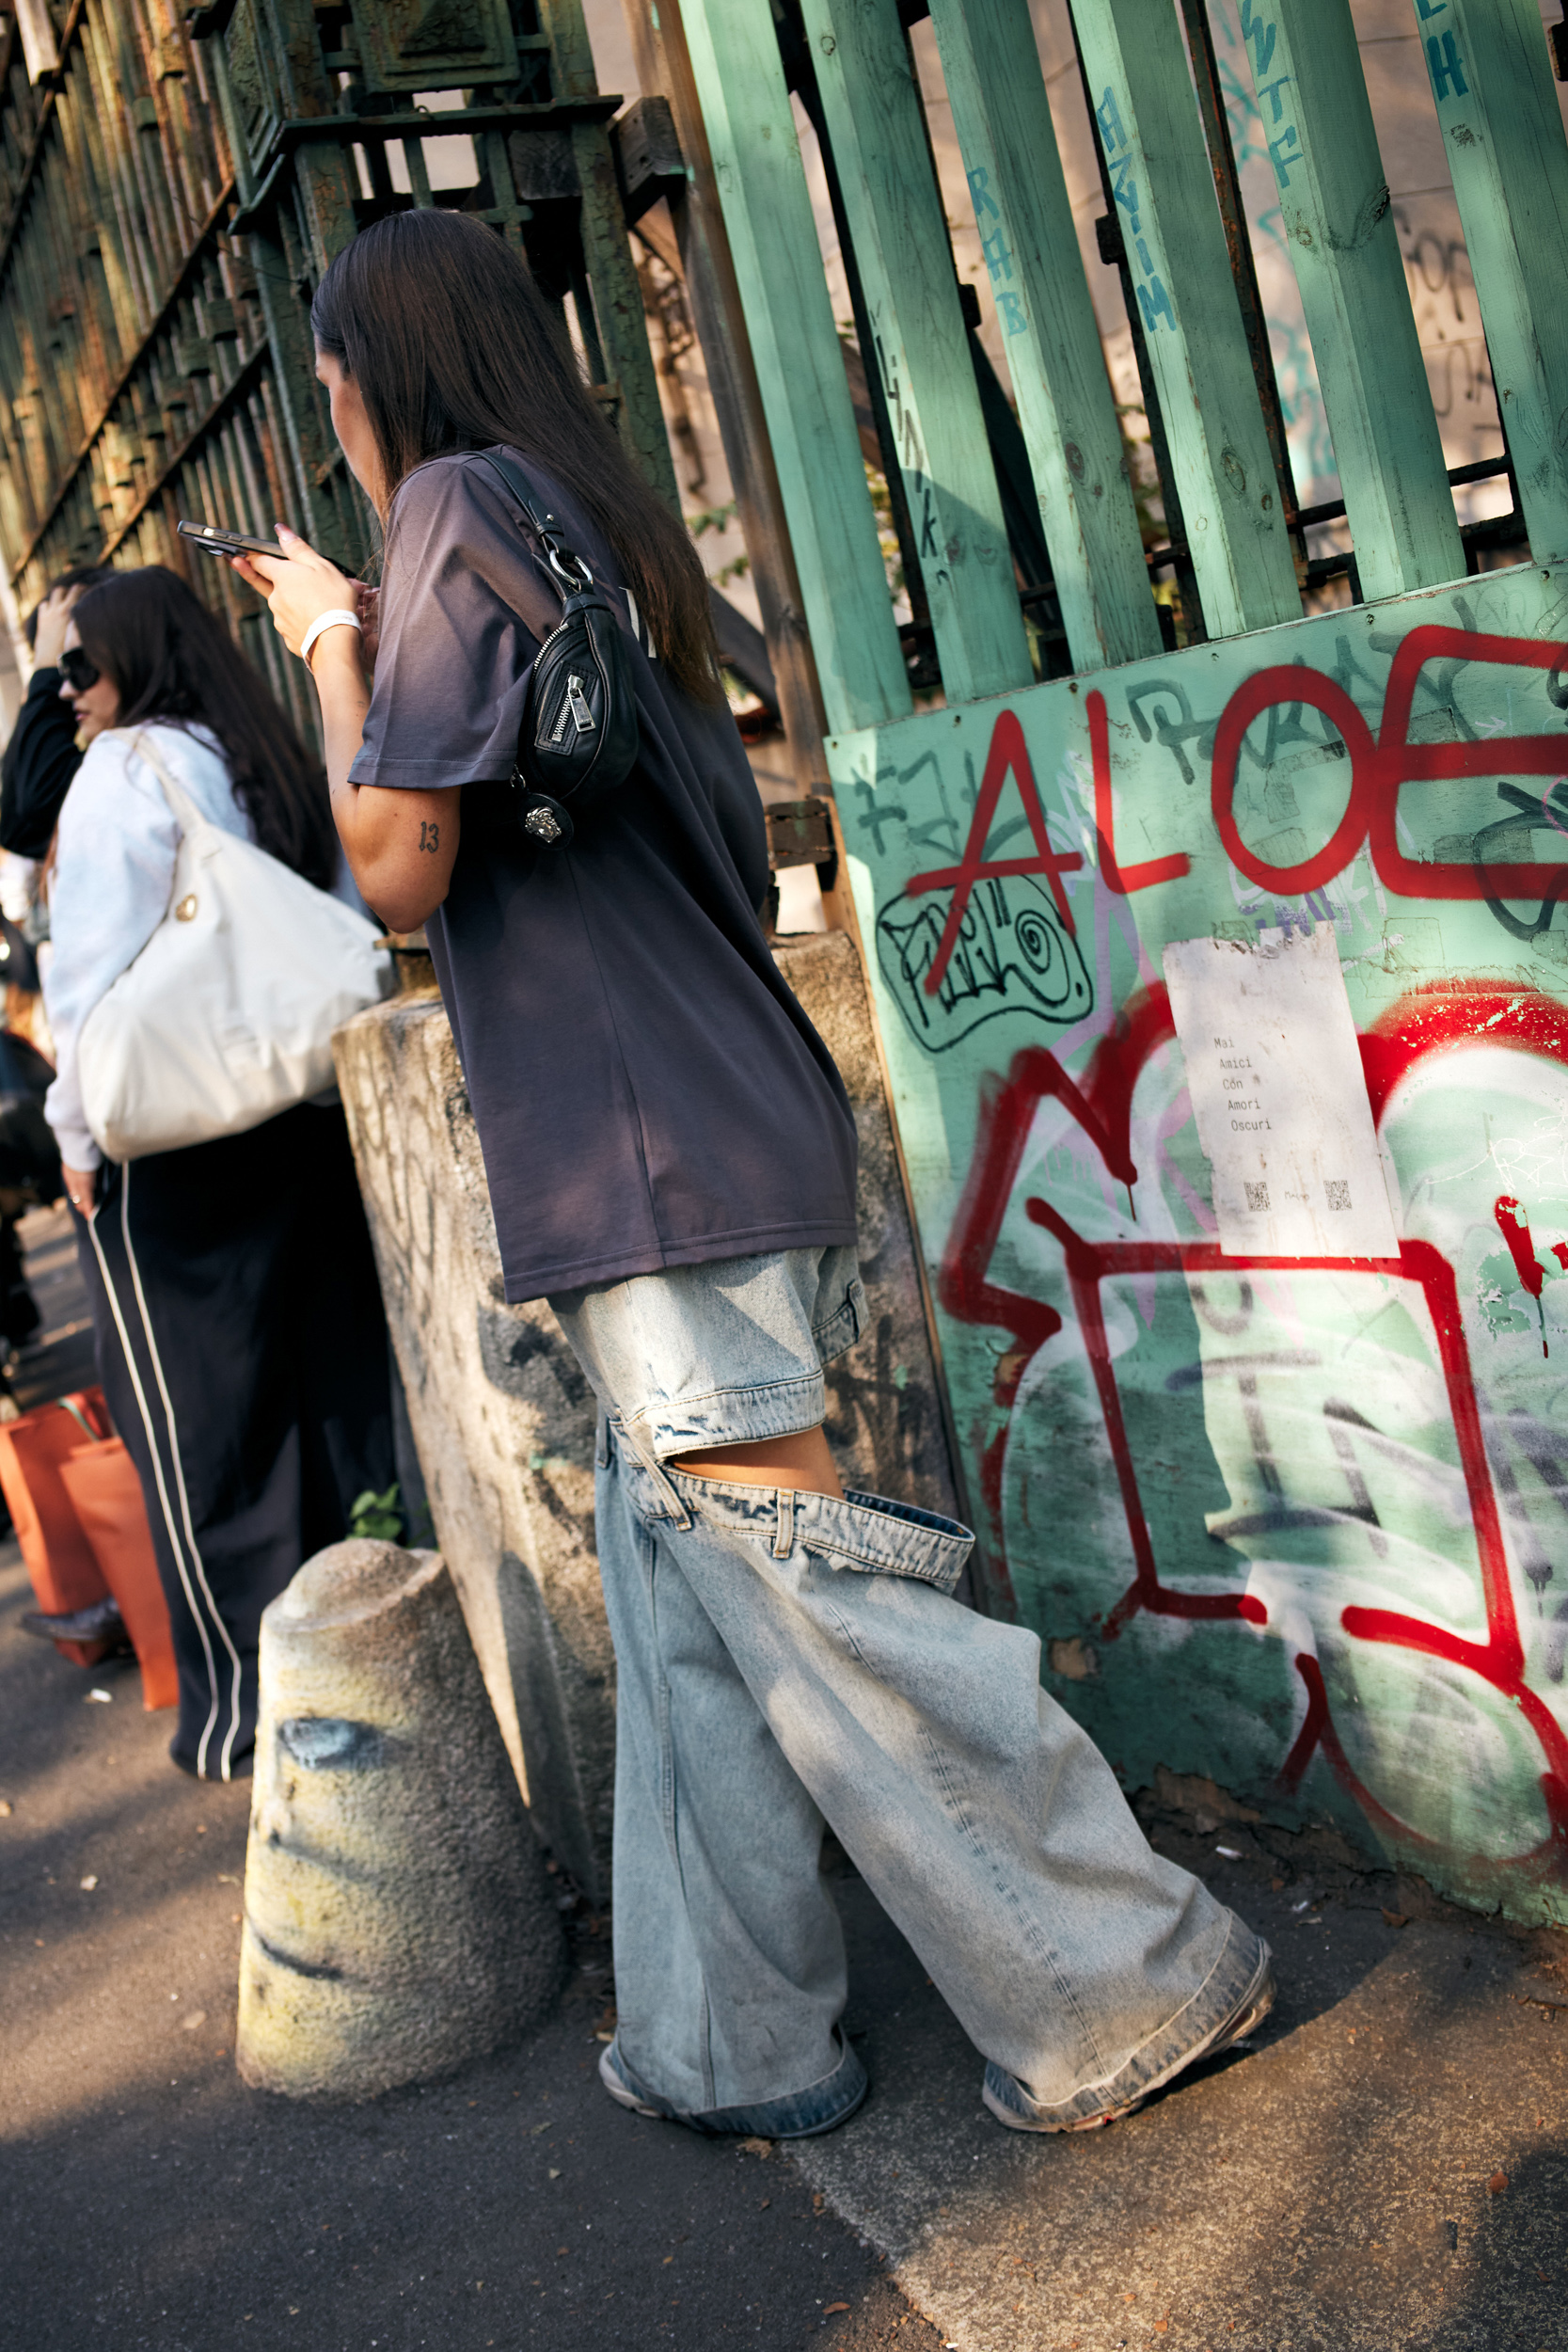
[[579, 739]]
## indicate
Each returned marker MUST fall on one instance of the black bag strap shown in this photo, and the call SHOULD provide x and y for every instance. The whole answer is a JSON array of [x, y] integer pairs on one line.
[[572, 577]]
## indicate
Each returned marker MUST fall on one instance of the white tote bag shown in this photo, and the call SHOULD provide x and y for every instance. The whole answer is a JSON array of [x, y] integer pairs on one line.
[[227, 1015]]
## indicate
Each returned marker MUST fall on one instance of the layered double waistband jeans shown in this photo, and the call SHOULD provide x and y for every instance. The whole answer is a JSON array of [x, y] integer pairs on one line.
[[789, 1658]]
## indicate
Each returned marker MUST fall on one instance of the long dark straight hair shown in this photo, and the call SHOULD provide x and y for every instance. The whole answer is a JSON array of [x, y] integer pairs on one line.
[[169, 658], [454, 347]]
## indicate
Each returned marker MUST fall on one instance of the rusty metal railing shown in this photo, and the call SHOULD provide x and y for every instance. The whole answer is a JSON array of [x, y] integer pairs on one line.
[[172, 185]]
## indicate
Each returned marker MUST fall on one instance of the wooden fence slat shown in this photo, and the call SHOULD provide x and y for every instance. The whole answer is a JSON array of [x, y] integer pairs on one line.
[[1146, 119], [1064, 403], [1502, 134], [773, 233], [1336, 210], [873, 112], [703, 251]]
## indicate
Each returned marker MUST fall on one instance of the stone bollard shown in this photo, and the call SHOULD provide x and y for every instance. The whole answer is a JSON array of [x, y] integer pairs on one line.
[[398, 1916]]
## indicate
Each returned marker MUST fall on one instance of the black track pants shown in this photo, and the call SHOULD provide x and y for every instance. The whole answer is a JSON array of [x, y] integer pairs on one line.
[[242, 1350]]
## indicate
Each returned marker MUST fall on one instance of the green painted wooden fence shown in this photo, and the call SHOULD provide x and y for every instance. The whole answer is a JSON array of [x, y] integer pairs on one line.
[[1222, 987]]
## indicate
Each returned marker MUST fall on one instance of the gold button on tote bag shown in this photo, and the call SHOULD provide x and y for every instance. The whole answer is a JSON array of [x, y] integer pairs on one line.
[[225, 1017]]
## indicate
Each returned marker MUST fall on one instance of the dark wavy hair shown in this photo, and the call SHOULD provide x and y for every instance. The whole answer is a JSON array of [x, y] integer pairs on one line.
[[169, 658], [454, 347]]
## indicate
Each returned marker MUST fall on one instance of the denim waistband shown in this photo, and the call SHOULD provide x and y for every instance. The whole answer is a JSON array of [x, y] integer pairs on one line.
[[868, 1534]]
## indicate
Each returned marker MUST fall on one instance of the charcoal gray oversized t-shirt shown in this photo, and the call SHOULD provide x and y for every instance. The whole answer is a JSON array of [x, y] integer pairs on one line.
[[646, 1088]]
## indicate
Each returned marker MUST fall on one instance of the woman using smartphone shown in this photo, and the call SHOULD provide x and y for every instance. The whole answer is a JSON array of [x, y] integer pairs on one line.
[[239, 1337], [671, 1162]]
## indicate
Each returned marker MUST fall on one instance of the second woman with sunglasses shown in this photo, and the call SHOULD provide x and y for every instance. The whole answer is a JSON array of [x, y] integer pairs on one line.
[[241, 1341], [42, 755]]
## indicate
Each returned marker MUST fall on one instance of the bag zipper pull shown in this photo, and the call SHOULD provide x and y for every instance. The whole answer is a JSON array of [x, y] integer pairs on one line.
[[574, 707]]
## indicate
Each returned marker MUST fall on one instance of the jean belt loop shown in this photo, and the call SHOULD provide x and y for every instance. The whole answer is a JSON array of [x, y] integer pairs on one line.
[[650, 1461], [784, 1530]]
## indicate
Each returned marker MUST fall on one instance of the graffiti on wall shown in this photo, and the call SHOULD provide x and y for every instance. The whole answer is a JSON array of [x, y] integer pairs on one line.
[[1299, 1522]]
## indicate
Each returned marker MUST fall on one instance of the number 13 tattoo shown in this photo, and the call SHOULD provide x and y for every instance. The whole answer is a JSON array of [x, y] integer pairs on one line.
[[430, 836]]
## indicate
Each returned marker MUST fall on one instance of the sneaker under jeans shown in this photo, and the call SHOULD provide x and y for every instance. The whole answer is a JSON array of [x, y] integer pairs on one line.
[[820, 2107], [1014, 2104]]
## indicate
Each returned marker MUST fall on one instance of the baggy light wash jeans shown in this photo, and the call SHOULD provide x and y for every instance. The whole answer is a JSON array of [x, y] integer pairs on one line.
[[787, 1657]]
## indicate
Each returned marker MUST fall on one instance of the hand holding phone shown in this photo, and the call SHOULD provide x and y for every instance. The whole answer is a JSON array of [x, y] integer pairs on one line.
[[298, 585], [226, 542]]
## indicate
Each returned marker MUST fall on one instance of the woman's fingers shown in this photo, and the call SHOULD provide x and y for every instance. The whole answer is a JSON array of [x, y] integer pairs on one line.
[[294, 556], [49, 636], [298, 585], [298, 550], [80, 1185], [249, 567]]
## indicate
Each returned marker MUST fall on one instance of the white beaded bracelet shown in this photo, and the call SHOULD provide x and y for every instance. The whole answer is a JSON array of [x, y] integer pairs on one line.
[[339, 618]]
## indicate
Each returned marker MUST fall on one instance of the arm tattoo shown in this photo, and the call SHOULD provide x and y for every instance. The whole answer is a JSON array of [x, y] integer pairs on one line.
[[430, 836]]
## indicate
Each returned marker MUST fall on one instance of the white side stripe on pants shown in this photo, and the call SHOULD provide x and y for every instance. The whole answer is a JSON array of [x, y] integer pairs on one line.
[[176, 1546], [225, 1757]]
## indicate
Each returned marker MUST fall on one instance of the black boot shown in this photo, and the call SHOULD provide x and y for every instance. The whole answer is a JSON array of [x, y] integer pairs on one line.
[[101, 1622]]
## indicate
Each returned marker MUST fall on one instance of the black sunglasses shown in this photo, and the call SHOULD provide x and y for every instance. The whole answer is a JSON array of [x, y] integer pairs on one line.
[[77, 669]]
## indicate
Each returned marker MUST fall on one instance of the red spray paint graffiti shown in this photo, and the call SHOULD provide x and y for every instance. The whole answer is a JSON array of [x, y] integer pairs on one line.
[[1102, 1107], [1123, 880], [1513, 1225], [1379, 767], [1008, 756]]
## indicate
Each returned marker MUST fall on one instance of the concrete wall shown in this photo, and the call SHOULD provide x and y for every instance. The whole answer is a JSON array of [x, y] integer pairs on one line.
[[503, 1419]]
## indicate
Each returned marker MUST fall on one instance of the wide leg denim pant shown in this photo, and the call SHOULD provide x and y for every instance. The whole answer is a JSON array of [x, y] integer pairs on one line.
[[788, 1657]]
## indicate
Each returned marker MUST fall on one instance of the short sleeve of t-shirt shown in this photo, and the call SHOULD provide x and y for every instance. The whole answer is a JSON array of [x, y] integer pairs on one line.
[[455, 654]]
